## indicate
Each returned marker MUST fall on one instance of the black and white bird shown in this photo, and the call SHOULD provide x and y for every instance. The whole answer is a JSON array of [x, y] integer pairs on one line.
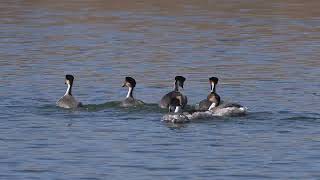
[[213, 99], [214, 104], [67, 100], [176, 115], [167, 99], [130, 101]]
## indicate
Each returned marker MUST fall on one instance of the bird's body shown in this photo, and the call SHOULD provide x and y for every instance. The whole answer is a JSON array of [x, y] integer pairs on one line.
[[217, 107], [213, 99], [176, 115], [167, 99], [67, 100], [204, 105], [130, 101]]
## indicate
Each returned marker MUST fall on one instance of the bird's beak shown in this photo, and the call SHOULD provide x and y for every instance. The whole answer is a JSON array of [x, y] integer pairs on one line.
[[124, 84]]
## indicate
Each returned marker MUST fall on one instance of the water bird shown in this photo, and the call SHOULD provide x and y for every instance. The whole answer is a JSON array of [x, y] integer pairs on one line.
[[130, 100], [175, 114], [213, 99], [214, 104], [167, 99], [67, 100]]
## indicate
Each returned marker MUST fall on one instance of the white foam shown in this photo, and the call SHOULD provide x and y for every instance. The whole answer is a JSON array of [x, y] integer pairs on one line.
[[175, 118], [219, 112], [230, 111]]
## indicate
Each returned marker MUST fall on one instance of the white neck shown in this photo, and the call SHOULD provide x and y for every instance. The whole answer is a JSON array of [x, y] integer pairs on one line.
[[67, 92], [129, 92], [213, 105], [212, 86], [178, 109]]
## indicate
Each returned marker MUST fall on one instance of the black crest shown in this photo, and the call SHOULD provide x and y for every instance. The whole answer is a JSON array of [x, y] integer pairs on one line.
[[69, 77], [180, 78], [214, 80], [131, 81]]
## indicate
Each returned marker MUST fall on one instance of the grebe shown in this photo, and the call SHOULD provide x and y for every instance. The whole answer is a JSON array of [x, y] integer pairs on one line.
[[130, 100], [175, 114], [68, 101], [213, 99], [166, 99], [213, 103]]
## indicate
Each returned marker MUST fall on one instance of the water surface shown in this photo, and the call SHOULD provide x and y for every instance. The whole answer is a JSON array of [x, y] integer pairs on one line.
[[266, 54]]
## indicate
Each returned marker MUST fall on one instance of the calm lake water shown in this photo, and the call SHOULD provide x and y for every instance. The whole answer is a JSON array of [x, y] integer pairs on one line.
[[266, 54]]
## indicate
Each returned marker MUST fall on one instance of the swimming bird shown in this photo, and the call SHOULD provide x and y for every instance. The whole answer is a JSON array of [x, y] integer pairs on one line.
[[166, 99], [68, 101], [130, 100], [214, 104], [213, 99], [175, 104], [175, 114]]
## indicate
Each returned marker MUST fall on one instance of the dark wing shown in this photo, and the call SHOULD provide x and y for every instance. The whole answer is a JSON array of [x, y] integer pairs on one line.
[[204, 105], [226, 105], [166, 99]]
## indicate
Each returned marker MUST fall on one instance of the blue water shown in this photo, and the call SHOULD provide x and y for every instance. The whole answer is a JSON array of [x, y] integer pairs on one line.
[[266, 55]]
